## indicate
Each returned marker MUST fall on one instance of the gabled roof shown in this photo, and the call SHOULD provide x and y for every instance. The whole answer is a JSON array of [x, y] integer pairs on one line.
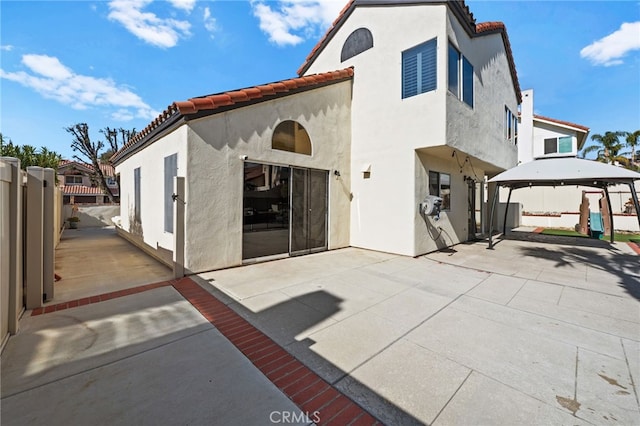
[[220, 102], [107, 169], [581, 130], [84, 190], [459, 9]]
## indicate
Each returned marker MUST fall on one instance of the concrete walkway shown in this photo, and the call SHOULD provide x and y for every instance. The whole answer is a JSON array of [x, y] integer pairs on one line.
[[141, 355], [529, 333]]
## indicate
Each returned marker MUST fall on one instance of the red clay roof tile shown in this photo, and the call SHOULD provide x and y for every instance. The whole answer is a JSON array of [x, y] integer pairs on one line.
[[565, 123], [236, 98]]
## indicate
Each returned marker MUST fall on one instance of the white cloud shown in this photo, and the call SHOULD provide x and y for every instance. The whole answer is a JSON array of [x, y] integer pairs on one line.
[[186, 5], [6, 47], [611, 49], [290, 22], [147, 26], [53, 80], [210, 23]]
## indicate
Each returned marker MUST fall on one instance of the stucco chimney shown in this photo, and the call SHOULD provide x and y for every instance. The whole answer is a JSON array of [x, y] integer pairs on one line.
[[525, 130]]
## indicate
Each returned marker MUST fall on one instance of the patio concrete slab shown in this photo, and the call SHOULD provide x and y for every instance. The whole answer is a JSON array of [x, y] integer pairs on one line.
[[473, 322], [551, 328], [498, 289], [287, 320], [367, 334], [603, 304], [632, 353], [149, 358], [604, 390], [470, 406], [578, 317], [411, 306], [533, 364], [432, 378]]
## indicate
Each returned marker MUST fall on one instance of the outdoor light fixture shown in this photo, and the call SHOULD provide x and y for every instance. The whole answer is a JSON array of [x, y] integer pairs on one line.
[[337, 173]]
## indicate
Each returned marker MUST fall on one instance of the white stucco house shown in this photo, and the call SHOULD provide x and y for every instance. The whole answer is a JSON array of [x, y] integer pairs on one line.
[[399, 100]]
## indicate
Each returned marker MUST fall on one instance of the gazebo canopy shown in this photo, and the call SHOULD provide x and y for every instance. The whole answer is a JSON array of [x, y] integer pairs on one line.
[[564, 171], [560, 171]]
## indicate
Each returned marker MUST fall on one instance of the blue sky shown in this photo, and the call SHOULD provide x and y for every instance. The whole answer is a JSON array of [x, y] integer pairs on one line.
[[119, 63]]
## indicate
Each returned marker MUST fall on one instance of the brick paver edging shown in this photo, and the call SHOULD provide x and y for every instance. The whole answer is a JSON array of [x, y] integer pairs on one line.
[[321, 402], [635, 247]]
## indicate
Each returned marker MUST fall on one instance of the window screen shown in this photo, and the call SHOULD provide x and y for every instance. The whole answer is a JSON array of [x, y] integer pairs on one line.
[[419, 69]]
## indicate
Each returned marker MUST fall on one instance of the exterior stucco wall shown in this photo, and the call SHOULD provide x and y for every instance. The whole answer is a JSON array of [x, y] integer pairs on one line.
[[452, 227], [387, 130], [542, 131], [215, 181], [151, 163], [479, 131]]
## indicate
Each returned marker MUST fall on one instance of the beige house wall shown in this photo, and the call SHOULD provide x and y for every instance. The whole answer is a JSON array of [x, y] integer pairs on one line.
[[217, 146]]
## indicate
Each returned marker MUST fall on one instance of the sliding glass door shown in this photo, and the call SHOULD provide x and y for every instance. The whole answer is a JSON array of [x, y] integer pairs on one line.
[[284, 210], [308, 210]]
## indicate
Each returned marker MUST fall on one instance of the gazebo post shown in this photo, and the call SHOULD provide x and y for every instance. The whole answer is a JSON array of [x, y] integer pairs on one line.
[[606, 193], [506, 210], [634, 196], [493, 209]]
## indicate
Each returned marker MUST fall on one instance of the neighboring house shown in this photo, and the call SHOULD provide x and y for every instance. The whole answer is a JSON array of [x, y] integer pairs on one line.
[[542, 137], [78, 187], [424, 102]]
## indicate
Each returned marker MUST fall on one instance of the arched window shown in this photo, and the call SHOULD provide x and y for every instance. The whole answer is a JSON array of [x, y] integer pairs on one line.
[[357, 42], [291, 136]]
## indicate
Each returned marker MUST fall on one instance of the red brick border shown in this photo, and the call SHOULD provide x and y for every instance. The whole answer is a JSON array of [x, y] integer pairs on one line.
[[635, 247], [99, 298], [311, 393], [316, 397]]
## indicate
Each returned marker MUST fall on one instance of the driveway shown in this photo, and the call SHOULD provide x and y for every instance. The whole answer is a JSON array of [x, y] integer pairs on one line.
[[531, 332]]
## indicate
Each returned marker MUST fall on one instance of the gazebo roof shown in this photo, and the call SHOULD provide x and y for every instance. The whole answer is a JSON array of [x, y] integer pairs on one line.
[[564, 171]]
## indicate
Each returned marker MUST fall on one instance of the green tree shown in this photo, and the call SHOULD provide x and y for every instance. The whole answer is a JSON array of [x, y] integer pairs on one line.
[[29, 155], [607, 147], [633, 138]]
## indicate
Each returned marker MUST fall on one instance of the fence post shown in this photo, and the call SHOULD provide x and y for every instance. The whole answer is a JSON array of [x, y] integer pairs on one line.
[[48, 240], [34, 237], [178, 227], [15, 243]]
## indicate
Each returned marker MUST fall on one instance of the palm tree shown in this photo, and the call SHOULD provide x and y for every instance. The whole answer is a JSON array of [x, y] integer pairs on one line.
[[633, 138], [608, 147]]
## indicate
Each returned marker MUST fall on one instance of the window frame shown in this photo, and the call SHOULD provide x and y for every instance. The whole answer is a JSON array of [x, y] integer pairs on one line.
[[67, 183], [446, 197], [510, 124], [556, 140], [461, 69], [424, 58]]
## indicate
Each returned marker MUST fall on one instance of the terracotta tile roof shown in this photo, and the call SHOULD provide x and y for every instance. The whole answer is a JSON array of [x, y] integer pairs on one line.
[[84, 190], [460, 9], [234, 99], [564, 123], [107, 169]]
